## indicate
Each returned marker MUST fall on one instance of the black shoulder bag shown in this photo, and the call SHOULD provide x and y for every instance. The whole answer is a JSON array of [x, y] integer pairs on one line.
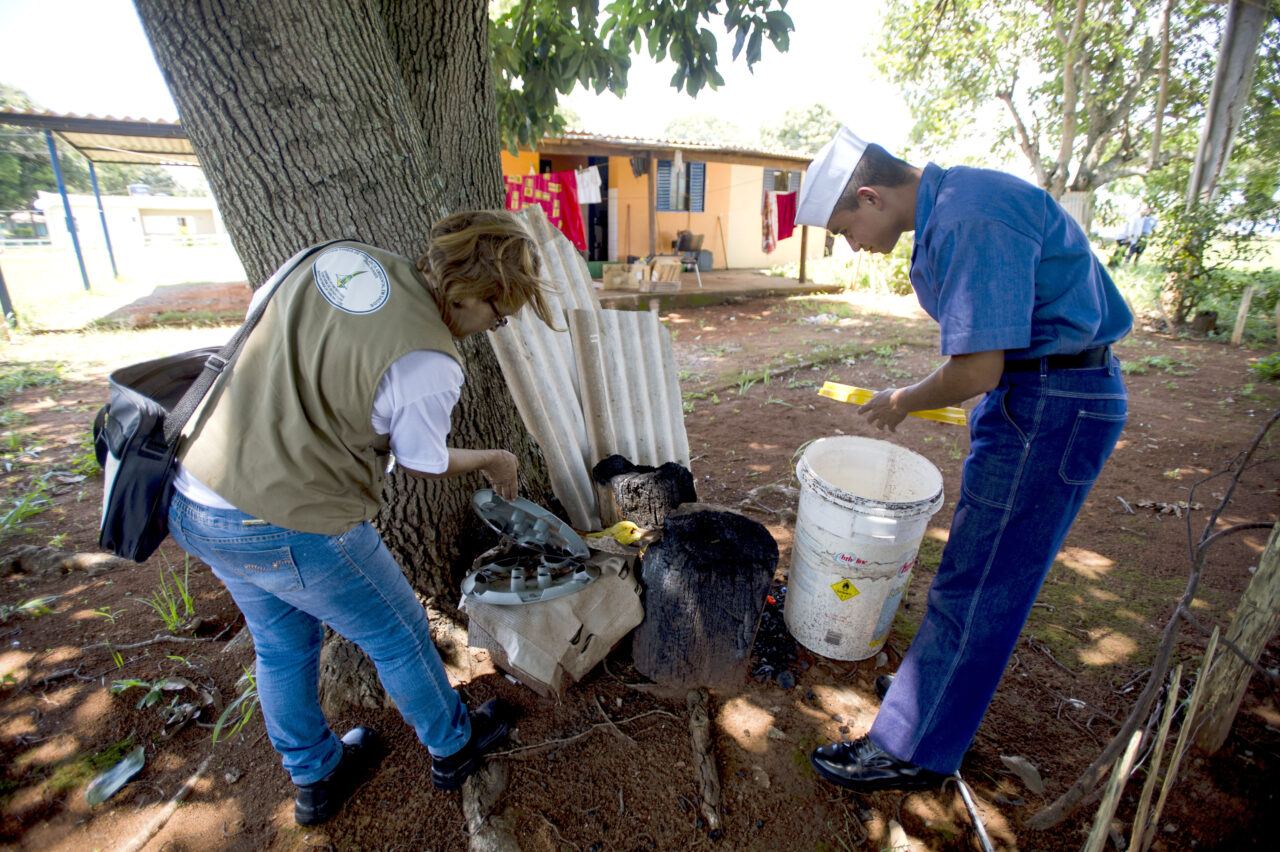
[[135, 435]]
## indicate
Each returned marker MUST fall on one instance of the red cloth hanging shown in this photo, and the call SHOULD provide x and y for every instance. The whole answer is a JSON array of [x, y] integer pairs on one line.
[[557, 192], [786, 214]]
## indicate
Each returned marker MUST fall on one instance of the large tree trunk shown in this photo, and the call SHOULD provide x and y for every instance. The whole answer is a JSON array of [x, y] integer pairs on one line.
[[316, 119]]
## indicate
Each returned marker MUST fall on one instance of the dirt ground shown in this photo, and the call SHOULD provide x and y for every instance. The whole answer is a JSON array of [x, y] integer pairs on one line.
[[611, 766]]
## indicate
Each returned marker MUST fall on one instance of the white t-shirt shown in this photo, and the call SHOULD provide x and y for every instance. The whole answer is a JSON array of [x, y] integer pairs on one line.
[[413, 405]]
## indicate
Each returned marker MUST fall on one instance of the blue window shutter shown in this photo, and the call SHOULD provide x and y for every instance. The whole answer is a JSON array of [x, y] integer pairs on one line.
[[697, 182], [664, 185], [768, 184]]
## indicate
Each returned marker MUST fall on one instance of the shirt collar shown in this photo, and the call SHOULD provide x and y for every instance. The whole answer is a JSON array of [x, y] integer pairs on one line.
[[926, 194]]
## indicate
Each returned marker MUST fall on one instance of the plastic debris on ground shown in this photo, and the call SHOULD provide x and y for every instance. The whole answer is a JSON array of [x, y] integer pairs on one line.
[[109, 783]]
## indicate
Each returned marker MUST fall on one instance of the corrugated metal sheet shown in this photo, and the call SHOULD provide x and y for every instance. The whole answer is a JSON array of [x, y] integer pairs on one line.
[[606, 384]]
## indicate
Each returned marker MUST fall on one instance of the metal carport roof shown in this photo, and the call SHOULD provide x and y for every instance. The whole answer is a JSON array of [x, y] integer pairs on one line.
[[112, 140]]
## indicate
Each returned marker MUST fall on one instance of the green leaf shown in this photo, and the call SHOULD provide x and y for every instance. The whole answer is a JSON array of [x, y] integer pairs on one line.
[[738, 42], [707, 41], [779, 21], [753, 47]]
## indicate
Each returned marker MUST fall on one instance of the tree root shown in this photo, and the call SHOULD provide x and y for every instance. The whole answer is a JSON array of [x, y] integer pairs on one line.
[[152, 828]]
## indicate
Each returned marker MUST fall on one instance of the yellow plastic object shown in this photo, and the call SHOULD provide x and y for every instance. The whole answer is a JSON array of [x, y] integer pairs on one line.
[[857, 396], [624, 532]]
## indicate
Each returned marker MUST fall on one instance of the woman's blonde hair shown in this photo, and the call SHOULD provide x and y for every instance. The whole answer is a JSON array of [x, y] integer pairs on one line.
[[488, 254]]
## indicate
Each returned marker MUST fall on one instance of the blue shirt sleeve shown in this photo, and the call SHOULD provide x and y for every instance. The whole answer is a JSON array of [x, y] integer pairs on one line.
[[984, 272]]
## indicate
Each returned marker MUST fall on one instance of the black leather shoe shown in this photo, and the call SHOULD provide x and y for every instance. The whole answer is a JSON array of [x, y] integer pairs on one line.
[[489, 728], [319, 802], [882, 685], [866, 768]]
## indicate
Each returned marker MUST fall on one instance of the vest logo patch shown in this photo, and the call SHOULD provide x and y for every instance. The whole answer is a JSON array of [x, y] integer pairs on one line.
[[351, 280]]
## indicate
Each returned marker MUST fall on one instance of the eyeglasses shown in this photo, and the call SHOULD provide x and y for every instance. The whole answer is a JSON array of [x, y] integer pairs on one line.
[[498, 319]]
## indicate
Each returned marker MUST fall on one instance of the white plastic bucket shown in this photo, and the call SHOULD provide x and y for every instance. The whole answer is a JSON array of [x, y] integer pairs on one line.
[[864, 506]]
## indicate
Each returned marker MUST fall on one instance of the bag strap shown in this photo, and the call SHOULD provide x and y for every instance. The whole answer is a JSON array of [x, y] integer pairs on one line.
[[176, 419]]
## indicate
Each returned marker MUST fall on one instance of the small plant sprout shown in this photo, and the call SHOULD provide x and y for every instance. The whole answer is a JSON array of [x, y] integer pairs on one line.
[[13, 520], [172, 601], [108, 613], [118, 659], [238, 712], [35, 608], [149, 698]]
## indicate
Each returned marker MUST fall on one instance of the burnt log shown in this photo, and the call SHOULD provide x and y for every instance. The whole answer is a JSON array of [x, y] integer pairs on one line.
[[642, 494], [705, 585]]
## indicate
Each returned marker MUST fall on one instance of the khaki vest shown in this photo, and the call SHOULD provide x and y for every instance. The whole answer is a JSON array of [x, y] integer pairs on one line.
[[286, 435]]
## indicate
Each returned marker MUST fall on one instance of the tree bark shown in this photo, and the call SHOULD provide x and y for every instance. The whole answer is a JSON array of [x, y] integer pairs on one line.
[[318, 119]]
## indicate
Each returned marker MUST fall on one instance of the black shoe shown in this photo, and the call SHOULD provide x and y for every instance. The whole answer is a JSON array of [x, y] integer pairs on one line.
[[489, 729], [882, 685], [319, 802], [865, 767]]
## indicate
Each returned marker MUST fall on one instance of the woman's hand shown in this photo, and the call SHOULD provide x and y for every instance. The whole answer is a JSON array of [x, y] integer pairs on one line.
[[502, 472], [499, 467]]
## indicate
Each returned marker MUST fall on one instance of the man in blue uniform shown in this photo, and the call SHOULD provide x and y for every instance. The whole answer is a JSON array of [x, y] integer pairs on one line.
[[1026, 315]]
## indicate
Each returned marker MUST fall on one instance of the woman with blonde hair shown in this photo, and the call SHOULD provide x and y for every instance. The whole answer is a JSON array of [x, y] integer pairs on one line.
[[352, 362]]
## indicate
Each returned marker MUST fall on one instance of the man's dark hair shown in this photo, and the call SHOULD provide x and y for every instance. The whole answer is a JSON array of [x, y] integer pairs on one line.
[[876, 168]]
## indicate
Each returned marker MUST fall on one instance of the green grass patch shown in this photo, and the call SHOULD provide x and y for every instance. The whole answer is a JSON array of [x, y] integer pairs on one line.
[[1160, 363], [81, 769], [1267, 369], [17, 377]]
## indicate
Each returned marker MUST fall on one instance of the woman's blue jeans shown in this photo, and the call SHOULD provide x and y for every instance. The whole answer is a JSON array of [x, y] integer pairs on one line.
[[1037, 443], [287, 583]]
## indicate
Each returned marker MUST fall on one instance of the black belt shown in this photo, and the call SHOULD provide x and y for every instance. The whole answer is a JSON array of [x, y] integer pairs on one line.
[[1099, 356]]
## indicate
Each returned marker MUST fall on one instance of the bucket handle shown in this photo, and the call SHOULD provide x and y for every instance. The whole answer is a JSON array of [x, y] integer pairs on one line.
[[867, 524]]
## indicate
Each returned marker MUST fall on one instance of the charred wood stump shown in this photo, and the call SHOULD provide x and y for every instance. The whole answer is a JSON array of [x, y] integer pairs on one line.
[[645, 495], [705, 584]]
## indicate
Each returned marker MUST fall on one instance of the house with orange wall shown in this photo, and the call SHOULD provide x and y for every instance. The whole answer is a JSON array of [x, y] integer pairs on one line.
[[718, 192]]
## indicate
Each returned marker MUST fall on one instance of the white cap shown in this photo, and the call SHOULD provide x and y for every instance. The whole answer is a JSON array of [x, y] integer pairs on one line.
[[825, 179]]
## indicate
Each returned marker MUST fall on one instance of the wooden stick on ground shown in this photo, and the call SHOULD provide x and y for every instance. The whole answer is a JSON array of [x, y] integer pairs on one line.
[[704, 757], [1170, 705]]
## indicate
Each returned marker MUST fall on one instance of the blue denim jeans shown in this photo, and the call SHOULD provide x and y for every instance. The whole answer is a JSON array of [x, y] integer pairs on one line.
[[287, 583], [1037, 443]]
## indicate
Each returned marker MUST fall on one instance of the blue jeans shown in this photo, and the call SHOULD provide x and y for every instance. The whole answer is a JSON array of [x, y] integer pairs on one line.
[[1037, 443], [286, 583]]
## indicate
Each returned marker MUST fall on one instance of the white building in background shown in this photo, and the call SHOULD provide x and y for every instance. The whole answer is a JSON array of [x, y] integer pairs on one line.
[[135, 221]]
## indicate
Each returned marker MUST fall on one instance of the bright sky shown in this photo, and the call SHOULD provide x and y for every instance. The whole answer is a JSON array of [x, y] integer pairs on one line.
[[90, 57]]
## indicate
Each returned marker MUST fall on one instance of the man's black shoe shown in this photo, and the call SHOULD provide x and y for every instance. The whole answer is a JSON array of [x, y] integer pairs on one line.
[[882, 685], [319, 802], [489, 729], [866, 768]]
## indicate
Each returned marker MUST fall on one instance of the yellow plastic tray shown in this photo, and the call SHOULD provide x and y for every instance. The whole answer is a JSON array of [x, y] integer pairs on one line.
[[857, 396]]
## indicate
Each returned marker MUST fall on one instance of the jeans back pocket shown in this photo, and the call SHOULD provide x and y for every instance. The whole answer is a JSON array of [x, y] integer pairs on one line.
[[273, 571]]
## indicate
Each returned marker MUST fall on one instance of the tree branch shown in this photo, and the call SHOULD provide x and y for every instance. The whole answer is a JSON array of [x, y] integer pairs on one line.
[[1030, 146]]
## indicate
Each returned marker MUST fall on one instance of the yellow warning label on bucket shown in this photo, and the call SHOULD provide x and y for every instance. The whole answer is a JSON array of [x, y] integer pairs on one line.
[[845, 589]]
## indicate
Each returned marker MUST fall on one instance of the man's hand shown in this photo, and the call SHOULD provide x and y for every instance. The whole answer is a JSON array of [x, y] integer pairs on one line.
[[961, 377], [881, 410]]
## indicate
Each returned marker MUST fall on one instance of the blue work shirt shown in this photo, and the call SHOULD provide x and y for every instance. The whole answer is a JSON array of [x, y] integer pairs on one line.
[[1000, 265]]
